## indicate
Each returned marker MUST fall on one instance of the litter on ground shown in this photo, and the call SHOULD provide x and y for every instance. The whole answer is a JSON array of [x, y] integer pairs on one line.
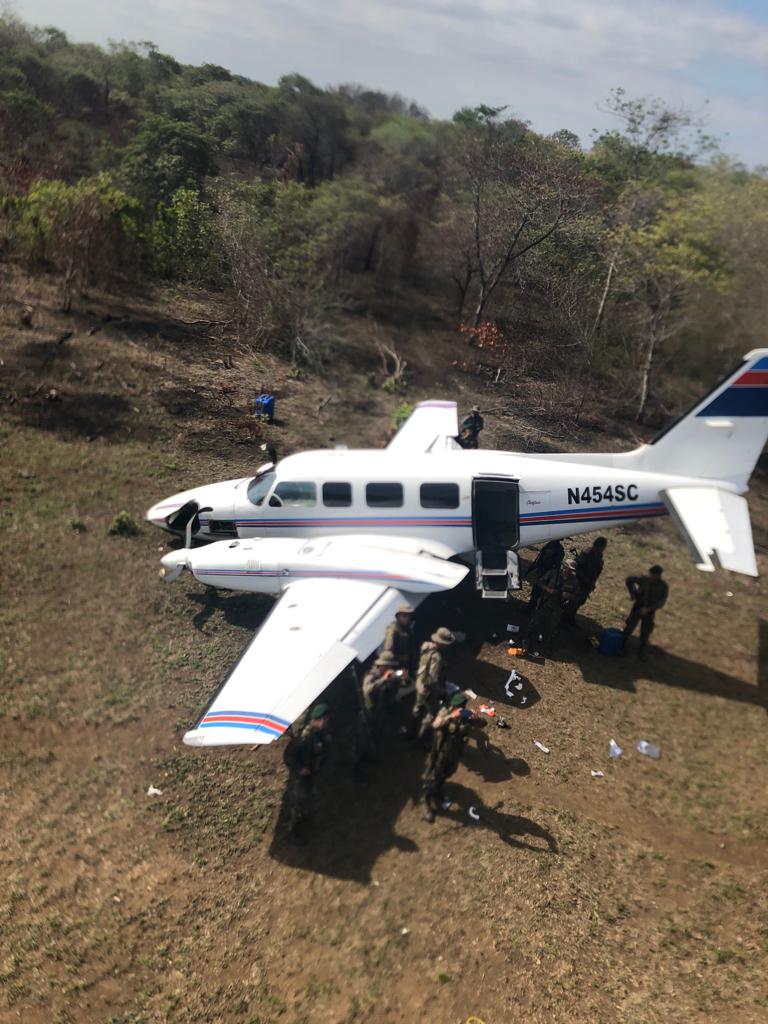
[[614, 749], [598, 774], [486, 709], [649, 749], [511, 628], [541, 747], [473, 813], [154, 791]]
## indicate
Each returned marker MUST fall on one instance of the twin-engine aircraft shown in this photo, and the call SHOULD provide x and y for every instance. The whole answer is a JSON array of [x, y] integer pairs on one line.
[[343, 537]]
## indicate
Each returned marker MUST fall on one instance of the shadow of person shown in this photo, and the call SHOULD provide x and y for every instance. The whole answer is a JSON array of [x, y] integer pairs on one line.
[[354, 818], [491, 763], [659, 666], [510, 828]]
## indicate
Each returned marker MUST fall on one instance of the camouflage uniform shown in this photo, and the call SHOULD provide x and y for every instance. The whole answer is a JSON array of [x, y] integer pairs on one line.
[[589, 566], [549, 557], [375, 694], [559, 592], [649, 592], [451, 732], [398, 641], [308, 752], [430, 685]]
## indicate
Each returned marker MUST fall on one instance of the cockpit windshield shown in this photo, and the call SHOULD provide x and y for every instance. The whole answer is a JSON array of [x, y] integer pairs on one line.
[[260, 486]]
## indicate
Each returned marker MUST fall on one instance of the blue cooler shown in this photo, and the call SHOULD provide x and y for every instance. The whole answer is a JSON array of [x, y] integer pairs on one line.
[[265, 406], [611, 641]]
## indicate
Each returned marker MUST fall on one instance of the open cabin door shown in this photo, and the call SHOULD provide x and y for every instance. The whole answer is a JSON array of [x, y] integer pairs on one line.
[[496, 534]]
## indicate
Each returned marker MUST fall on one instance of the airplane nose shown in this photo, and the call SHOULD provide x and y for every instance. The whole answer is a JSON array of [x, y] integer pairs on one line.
[[173, 564]]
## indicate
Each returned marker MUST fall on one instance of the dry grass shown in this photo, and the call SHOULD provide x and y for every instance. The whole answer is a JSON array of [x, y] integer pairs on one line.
[[640, 896]]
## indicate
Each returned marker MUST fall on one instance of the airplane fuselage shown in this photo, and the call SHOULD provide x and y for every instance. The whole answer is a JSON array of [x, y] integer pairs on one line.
[[459, 500]]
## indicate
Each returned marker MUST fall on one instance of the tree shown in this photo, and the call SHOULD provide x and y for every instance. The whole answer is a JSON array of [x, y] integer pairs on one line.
[[516, 189], [86, 231], [186, 244], [660, 267], [164, 156]]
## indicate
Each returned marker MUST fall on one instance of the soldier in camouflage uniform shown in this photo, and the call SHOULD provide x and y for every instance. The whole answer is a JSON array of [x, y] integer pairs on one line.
[[398, 639], [589, 566], [559, 594], [376, 691], [549, 557], [469, 430], [430, 683], [304, 756], [649, 593], [451, 725]]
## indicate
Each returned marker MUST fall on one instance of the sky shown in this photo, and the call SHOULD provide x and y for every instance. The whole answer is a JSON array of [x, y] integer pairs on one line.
[[552, 62]]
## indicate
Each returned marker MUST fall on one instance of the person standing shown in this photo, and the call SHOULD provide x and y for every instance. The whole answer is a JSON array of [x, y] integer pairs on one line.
[[430, 683], [469, 430], [649, 594], [549, 557], [558, 592], [451, 726], [589, 566], [305, 756], [376, 692], [398, 639]]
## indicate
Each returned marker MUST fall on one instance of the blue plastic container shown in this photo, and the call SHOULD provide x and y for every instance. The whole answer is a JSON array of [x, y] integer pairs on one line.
[[265, 406], [611, 642]]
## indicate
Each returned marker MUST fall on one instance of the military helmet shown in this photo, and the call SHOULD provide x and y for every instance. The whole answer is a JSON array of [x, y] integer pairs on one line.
[[405, 609], [443, 636], [318, 711], [458, 699], [387, 659]]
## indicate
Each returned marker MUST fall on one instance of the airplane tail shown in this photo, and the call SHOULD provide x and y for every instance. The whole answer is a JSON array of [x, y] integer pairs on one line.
[[722, 436]]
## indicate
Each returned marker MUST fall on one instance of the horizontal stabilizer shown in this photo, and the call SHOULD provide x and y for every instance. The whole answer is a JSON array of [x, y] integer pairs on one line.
[[715, 523]]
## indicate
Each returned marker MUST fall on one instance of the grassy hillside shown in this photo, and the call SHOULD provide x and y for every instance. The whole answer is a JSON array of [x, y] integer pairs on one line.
[[640, 895]]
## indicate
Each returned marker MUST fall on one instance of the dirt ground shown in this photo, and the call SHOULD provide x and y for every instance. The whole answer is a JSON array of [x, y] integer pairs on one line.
[[640, 896]]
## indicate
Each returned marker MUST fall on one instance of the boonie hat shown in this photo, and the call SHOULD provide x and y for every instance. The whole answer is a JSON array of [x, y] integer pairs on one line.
[[443, 636], [405, 609], [386, 658], [458, 700]]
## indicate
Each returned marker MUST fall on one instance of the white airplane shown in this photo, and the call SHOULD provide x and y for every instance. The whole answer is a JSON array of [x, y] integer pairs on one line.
[[343, 537]]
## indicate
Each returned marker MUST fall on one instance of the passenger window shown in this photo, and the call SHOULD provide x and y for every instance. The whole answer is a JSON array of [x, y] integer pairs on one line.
[[384, 495], [295, 494], [337, 495], [439, 495]]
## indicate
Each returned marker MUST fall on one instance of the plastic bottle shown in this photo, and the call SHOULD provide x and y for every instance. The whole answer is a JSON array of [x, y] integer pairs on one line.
[[644, 747]]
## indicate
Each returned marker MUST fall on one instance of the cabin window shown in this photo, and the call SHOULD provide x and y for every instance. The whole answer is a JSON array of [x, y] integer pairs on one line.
[[294, 494], [439, 495], [259, 487], [337, 495], [384, 495]]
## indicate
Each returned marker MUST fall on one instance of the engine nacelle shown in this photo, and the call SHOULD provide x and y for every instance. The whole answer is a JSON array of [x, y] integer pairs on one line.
[[268, 566]]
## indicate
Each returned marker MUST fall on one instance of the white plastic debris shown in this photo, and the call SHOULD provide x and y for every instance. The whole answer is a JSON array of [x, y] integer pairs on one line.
[[597, 775], [486, 709], [405, 931], [515, 682], [649, 749], [542, 748], [471, 694], [511, 628], [154, 791], [729, 593], [473, 813], [614, 749]]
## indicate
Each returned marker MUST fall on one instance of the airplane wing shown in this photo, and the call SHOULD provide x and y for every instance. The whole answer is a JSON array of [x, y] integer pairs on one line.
[[716, 525], [427, 428], [317, 628]]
